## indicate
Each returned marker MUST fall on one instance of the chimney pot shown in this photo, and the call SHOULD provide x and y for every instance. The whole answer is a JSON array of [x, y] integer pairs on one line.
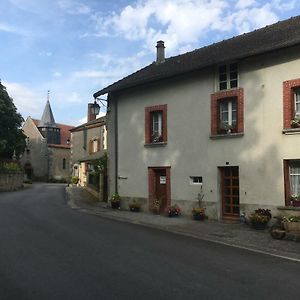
[[160, 53]]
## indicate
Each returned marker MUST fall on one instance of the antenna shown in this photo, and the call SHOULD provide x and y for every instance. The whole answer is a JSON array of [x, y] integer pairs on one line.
[[48, 95]]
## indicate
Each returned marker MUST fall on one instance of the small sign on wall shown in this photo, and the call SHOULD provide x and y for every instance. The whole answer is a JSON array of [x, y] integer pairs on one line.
[[162, 179]]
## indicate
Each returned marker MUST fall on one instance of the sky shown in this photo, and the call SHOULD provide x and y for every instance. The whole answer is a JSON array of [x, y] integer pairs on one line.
[[76, 47]]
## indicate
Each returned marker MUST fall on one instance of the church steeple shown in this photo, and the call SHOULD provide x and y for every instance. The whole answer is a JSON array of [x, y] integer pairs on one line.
[[47, 117], [47, 125]]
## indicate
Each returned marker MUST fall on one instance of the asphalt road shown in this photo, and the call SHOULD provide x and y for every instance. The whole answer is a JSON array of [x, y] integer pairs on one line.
[[49, 251]]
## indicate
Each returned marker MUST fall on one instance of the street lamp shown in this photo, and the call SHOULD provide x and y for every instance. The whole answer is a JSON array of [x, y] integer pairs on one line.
[[96, 108]]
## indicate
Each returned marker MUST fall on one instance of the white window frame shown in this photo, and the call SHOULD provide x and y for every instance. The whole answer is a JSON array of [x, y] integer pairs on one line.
[[297, 101], [230, 112], [156, 125], [228, 80], [95, 145], [294, 171], [198, 180]]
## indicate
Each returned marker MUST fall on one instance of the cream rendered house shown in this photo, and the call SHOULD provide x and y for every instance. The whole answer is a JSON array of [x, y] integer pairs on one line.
[[215, 121], [88, 145]]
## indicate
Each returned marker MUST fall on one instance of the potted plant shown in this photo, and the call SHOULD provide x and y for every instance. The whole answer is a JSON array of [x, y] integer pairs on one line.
[[260, 218], [134, 206], [115, 201], [198, 213], [295, 123], [75, 180], [156, 206], [173, 211], [291, 223], [295, 200]]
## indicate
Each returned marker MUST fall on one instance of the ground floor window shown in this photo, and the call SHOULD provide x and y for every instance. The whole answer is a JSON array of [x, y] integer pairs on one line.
[[292, 181]]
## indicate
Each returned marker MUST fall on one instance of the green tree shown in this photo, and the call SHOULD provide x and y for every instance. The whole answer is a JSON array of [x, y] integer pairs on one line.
[[11, 135]]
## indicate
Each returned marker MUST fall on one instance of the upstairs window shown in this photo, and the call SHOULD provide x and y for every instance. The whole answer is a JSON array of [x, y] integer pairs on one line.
[[227, 112], [156, 124], [156, 134], [228, 76], [297, 102], [291, 104], [228, 115], [64, 164], [94, 145]]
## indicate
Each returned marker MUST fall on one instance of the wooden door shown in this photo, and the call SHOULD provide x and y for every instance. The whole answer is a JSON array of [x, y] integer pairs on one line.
[[161, 187], [230, 192]]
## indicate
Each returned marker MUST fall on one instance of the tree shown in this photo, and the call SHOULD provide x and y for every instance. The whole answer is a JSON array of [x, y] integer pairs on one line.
[[11, 135]]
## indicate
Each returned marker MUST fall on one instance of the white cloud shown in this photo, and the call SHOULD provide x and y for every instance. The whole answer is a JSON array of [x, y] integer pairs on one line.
[[183, 23], [12, 29], [45, 53], [25, 99], [56, 74], [74, 7], [241, 4]]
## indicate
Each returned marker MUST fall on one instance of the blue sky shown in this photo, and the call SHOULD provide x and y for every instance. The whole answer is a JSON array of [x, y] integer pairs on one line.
[[76, 47]]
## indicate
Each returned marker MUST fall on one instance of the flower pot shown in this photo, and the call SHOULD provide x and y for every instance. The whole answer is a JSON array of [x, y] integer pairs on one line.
[[259, 225], [292, 226], [173, 214], [199, 217], [296, 203], [134, 209], [115, 204]]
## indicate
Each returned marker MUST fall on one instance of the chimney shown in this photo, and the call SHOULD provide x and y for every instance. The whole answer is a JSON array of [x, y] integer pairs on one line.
[[91, 116], [160, 52]]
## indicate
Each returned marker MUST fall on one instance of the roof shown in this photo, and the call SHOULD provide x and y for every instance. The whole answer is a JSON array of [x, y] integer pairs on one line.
[[65, 134], [47, 117], [270, 38], [94, 123]]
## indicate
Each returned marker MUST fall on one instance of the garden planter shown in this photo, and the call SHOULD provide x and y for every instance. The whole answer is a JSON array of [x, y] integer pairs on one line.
[[199, 217], [115, 204], [292, 226], [259, 225], [296, 203], [172, 214], [134, 209]]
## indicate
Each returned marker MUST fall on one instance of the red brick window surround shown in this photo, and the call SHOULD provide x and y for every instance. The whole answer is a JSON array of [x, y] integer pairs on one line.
[[290, 90], [227, 112], [156, 124]]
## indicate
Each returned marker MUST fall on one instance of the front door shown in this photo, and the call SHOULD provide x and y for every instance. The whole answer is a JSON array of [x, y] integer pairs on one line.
[[160, 187], [230, 192]]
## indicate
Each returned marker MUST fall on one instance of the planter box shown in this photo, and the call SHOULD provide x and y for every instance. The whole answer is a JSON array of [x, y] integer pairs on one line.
[[199, 217], [259, 225], [292, 226], [296, 203]]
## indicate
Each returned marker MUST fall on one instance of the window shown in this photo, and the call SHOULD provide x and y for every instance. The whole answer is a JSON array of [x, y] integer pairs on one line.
[[94, 145], [228, 76], [297, 102], [64, 163], [291, 104], [156, 124], [227, 112], [195, 179], [291, 179], [156, 134]]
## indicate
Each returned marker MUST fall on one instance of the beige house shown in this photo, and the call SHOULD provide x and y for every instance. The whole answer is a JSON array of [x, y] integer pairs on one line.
[[88, 152], [221, 121], [47, 153]]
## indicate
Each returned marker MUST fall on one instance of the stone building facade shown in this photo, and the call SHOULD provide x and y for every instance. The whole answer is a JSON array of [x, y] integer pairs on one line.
[[47, 153]]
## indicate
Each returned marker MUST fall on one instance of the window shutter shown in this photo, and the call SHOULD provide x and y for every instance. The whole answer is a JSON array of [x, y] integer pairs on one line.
[[98, 145], [287, 189]]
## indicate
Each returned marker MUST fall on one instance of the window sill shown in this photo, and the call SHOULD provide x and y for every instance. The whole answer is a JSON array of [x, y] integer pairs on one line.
[[226, 135], [159, 144], [294, 208], [290, 131]]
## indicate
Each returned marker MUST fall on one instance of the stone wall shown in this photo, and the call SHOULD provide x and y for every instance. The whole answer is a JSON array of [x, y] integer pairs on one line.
[[10, 181]]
